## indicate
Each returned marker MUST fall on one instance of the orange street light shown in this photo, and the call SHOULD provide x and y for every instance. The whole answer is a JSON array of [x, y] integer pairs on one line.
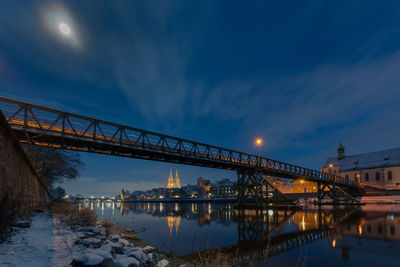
[[259, 143]]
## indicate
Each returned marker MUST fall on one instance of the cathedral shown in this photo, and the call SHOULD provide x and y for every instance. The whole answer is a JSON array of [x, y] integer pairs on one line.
[[173, 183]]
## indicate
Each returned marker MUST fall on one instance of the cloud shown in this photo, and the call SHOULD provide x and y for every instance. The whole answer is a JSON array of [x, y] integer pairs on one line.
[[326, 104]]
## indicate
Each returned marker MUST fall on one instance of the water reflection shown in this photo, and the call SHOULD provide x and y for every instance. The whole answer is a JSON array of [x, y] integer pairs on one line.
[[253, 236]]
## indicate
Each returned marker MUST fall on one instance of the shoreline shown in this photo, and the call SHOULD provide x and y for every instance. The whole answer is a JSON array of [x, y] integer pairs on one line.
[[48, 240]]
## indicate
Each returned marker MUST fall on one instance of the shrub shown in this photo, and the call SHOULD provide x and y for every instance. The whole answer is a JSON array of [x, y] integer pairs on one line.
[[74, 215], [10, 210]]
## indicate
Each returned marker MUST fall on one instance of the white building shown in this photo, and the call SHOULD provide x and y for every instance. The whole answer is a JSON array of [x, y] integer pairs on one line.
[[380, 169]]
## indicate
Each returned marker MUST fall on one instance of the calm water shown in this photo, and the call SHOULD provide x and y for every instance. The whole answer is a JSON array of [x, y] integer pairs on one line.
[[368, 236]]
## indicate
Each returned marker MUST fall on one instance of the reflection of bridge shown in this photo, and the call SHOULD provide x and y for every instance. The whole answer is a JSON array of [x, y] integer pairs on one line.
[[49, 127], [259, 235]]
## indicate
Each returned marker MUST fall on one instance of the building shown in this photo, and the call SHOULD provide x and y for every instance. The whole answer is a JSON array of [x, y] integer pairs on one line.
[[125, 195], [283, 185], [379, 169], [173, 183], [223, 188], [202, 182], [302, 186]]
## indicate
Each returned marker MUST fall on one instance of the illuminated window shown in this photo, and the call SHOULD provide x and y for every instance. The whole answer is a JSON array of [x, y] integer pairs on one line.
[[389, 175]]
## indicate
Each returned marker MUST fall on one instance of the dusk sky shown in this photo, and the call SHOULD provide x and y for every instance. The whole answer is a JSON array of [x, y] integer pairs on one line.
[[302, 75]]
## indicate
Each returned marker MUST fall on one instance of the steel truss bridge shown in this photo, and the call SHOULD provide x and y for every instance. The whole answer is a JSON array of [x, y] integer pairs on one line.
[[44, 126]]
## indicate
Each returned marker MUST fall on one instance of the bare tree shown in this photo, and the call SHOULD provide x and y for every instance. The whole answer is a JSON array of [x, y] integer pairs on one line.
[[54, 165]]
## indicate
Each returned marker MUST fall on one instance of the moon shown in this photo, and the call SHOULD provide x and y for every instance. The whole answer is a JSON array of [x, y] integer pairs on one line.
[[60, 25], [64, 28]]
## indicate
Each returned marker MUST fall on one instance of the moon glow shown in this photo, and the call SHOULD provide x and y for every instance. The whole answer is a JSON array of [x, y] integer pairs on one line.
[[64, 28], [60, 25]]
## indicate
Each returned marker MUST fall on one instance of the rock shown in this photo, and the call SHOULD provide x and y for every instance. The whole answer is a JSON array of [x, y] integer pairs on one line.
[[129, 262], [104, 251], [115, 238], [124, 241], [157, 257], [163, 263], [148, 249], [108, 263], [87, 260], [117, 248], [139, 255], [91, 242]]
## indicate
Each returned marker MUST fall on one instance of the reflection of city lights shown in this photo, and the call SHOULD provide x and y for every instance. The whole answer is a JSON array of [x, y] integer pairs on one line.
[[360, 230], [334, 243], [303, 223]]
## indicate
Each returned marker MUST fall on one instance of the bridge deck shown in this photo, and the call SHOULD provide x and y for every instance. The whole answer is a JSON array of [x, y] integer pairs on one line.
[[49, 127]]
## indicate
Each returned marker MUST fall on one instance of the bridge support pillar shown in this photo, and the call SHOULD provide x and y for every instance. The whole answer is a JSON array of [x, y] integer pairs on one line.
[[254, 187], [334, 195]]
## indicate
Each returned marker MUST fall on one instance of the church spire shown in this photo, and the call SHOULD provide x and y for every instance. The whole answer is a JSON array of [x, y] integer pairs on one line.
[[177, 180], [170, 180]]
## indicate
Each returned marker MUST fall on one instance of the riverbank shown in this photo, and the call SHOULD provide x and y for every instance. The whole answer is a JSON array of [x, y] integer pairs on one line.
[[49, 241]]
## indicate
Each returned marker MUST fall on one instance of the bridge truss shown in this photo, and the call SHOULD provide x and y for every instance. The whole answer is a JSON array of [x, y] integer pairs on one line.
[[44, 126]]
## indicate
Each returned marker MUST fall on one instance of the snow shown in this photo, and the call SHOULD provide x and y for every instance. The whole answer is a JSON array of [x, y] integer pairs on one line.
[[138, 254], [49, 242], [390, 157], [124, 241], [43, 244]]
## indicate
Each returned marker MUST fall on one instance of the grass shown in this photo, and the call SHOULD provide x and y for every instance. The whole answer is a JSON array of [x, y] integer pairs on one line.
[[74, 216]]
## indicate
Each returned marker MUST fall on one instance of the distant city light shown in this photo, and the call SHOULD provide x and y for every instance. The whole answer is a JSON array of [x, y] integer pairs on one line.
[[259, 141], [330, 165]]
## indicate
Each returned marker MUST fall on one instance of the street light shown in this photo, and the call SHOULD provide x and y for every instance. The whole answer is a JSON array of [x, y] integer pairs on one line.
[[259, 142]]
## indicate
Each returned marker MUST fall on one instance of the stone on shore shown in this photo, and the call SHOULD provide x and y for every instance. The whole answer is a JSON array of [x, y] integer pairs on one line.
[[91, 242], [138, 254], [129, 262]]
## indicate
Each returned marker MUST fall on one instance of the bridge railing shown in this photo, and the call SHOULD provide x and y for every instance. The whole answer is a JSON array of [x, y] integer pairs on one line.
[[46, 121]]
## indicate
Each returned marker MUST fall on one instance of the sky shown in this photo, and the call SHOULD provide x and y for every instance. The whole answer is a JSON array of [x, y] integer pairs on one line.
[[302, 75]]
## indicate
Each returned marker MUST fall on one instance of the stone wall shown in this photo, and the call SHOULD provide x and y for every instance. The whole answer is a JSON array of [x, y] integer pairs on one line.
[[17, 176]]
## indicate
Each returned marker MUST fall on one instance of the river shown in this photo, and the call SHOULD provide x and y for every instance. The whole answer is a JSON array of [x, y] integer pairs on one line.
[[354, 236]]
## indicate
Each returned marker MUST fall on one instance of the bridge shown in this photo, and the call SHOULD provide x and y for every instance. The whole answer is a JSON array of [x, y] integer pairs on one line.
[[42, 126]]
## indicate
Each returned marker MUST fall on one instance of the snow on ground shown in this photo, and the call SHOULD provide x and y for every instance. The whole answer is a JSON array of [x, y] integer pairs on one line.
[[43, 244], [49, 242]]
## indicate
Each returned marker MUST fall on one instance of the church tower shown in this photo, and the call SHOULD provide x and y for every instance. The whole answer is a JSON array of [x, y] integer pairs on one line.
[[340, 152], [177, 180], [170, 180]]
